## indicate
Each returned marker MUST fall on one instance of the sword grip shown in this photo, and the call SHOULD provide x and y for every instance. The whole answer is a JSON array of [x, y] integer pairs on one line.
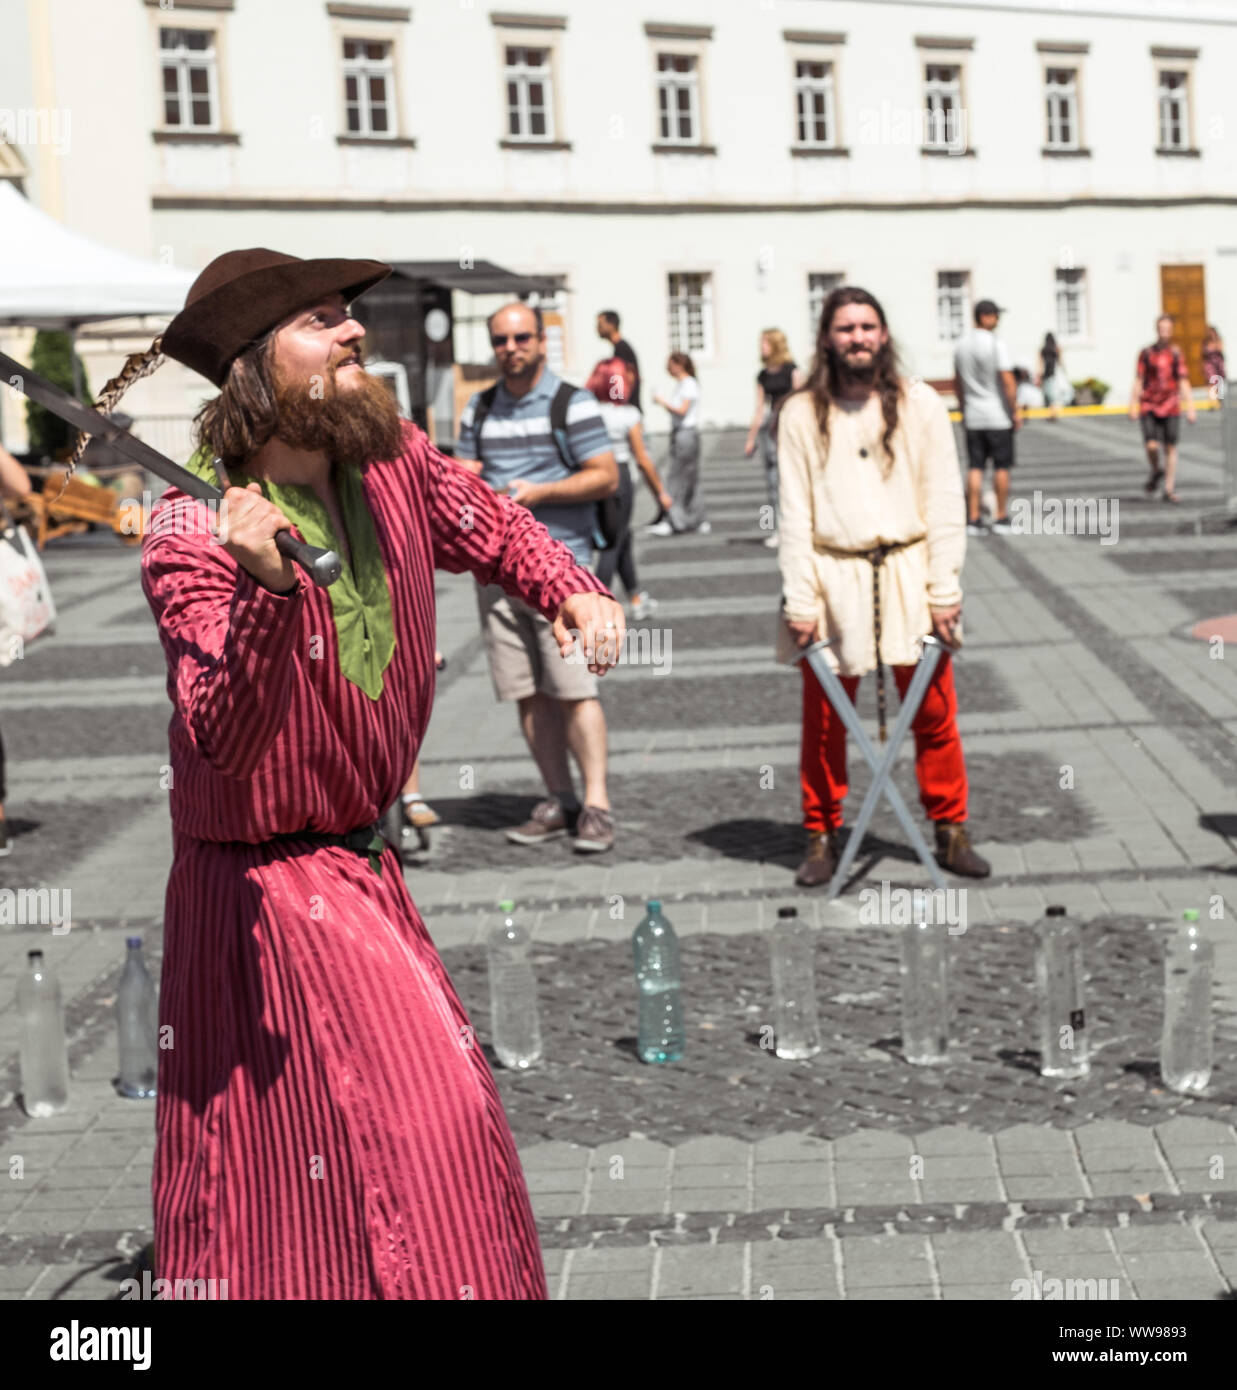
[[323, 566]]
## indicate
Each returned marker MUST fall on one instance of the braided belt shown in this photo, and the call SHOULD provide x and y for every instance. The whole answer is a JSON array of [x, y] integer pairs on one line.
[[876, 558]]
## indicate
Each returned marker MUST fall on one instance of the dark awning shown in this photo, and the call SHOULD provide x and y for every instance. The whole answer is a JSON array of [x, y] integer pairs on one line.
[[484, 277]]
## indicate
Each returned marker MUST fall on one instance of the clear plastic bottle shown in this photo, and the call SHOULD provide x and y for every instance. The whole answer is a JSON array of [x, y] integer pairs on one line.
[[514, 1016], [1060, 983], [661, 1037], [137, 1023], [792, 948], [925, 995], [1185, 1048], [44, 1054]]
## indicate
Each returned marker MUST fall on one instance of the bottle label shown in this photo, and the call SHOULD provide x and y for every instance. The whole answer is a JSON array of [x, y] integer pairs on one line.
[[1076, 1020]]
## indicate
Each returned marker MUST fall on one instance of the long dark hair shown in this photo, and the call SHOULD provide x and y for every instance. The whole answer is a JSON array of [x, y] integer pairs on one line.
[[823, 383], [244, 415], [1050, 341]]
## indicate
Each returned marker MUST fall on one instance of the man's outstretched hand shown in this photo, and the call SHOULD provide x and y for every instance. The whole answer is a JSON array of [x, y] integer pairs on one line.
[[597, 622]]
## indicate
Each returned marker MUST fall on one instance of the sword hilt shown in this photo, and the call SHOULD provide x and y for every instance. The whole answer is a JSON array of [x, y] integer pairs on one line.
[[323, 566]]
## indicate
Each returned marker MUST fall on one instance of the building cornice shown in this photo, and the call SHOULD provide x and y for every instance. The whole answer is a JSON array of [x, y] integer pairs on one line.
[[215, 202], [812, 36], [927, 41], [1053, 46], [1159, 51], [191, 5]]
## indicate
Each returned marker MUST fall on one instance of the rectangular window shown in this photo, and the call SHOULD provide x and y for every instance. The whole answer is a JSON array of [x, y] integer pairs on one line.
[[1071, 303], [1174, 110], [820, 284], [943, 105], [691, 313], [530, 114], [190, 80], [1061, 98], [369, 80], [953, 303], [678, 99], [814, 104]]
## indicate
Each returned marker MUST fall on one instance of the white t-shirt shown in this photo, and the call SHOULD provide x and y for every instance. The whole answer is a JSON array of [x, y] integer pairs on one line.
[[978, 359], [618, 420], [686, 389]]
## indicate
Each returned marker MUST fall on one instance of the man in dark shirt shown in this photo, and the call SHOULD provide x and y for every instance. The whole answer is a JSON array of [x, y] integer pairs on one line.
[[1161, 389], [608, 329]]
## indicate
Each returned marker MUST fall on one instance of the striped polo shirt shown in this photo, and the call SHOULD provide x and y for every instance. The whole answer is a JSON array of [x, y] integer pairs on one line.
[[516, 442]]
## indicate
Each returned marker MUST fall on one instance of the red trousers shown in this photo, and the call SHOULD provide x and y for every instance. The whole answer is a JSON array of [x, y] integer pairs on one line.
[[939, 764]]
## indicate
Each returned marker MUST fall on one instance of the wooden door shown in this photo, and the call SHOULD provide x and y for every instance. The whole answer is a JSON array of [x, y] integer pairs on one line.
[[1182, 294]]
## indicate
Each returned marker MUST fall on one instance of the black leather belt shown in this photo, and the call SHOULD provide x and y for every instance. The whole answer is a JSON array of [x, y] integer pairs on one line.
[[366, 840]]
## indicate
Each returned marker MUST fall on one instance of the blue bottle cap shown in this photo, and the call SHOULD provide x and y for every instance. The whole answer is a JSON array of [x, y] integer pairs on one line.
[[654, 904], [133, 940]]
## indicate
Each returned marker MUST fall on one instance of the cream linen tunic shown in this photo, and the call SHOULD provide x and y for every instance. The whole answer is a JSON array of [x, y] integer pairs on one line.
[[847, 503]]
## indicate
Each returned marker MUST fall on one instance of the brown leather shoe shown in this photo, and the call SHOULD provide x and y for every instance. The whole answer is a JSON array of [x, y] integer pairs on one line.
[[821, 861], [953, 851]]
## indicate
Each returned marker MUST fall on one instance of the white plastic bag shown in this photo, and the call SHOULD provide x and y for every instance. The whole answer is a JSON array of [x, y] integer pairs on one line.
[[26, 607]]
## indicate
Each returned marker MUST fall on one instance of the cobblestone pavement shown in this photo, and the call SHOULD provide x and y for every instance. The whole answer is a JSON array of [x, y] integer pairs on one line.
[[1101, 750]]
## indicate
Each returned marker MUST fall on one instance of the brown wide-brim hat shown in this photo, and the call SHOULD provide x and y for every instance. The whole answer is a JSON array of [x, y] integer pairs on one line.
[[243, 294]]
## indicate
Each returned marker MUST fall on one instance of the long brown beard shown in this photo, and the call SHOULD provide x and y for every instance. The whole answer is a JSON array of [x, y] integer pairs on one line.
[[356, 426]]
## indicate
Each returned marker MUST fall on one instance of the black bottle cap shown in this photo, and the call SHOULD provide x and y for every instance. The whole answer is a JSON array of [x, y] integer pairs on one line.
[[1056, 912], [34, 955]]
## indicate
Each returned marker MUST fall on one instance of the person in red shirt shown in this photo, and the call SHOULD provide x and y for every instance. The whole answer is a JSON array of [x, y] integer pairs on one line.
[[1161, 389]]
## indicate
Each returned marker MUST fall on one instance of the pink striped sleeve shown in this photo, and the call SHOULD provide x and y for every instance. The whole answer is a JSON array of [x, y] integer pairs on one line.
[[230, 646], [501, 542]]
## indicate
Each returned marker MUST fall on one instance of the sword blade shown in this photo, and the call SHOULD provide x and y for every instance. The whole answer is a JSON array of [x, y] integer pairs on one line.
[[91, 422]]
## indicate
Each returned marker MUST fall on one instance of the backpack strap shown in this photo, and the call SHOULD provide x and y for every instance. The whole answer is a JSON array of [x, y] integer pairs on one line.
[[485, 403], [558, 422]]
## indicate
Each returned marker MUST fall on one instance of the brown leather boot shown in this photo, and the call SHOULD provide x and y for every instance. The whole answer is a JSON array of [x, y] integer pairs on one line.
[[821, 861], [953, 851]]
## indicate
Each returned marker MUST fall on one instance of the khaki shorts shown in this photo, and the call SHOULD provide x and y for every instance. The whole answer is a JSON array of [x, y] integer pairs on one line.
[[524, 657]]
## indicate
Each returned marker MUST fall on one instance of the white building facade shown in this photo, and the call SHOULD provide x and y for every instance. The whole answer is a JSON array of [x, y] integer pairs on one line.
[[709, 168]]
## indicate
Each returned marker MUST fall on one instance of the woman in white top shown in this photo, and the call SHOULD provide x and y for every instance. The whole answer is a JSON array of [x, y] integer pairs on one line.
[[682, 477], [612, 382]]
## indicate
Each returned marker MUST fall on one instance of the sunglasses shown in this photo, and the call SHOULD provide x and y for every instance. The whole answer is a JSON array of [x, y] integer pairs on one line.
[[501, 340]]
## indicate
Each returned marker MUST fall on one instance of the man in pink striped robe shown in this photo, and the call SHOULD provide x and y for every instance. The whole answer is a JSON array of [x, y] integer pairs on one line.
[[327, 1123]]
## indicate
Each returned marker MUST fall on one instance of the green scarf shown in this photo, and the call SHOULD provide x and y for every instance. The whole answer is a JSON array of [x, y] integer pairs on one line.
[[360, 598]]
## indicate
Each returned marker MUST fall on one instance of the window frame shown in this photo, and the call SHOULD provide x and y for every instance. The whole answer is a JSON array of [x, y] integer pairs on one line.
[[1183, 61], [839, 278], [968, 303], [943, 59], [186, 99], [532, 31], [1083, 335], [1074, 89], [387, 71], [708, 318], [681, 41], [804, 47], [521, 74], [388, 31]]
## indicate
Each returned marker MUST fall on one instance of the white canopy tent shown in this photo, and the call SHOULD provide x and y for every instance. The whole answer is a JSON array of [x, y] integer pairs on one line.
[[51, 277]]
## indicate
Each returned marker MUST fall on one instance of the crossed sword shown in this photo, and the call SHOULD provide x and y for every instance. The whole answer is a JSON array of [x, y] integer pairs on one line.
[[882, 768], [322, 566]]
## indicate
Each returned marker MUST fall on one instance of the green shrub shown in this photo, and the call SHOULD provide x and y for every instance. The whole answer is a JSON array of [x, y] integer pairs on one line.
[[52, 357]]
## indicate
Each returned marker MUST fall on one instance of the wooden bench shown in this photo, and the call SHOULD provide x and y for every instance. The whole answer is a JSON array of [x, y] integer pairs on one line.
[[80, 504]]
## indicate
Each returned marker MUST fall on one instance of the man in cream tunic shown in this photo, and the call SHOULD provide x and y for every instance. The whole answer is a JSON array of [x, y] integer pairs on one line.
[[875, 495]]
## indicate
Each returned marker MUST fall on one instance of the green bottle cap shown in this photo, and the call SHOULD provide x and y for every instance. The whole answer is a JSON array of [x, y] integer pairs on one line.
[[1190, 914], [507, 905], [654, 904]]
